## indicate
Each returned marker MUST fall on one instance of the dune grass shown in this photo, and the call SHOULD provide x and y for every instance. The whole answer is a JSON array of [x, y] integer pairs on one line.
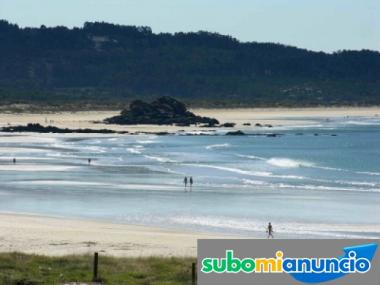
[[23, 269]]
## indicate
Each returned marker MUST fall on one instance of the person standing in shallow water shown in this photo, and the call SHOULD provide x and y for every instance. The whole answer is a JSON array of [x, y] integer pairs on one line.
[[185, 182], [89, 161], [191, 183], [14, 160], [270, 230]]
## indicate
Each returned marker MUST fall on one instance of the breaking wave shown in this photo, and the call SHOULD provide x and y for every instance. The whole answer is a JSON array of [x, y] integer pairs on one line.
[[213, 146], [288, 163]]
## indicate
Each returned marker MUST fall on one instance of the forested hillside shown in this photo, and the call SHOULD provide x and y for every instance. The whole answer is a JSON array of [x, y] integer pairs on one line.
[[104, 63]]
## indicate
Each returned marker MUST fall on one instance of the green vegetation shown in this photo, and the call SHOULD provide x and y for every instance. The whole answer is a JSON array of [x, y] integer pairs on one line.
[[22, 269], [102, 64]]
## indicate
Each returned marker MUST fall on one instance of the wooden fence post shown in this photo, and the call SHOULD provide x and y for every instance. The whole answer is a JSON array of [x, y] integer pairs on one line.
[[95, 272], [193, 274]]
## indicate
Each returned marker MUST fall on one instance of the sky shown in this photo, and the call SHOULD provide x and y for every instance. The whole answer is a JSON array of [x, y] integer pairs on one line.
[[320, 25]]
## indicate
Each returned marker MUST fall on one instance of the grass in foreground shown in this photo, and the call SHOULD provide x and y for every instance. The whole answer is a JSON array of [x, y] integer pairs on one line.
[[22, 269]]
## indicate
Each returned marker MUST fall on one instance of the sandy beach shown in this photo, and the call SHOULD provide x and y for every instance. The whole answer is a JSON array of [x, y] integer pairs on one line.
[[61, 236], [273, 116]]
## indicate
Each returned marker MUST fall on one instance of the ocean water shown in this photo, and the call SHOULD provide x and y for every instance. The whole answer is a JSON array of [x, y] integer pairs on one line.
[[320, 180]]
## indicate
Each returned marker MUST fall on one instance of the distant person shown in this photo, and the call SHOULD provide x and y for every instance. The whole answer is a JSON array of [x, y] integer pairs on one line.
[[14, 160], [89, 161], [185, 182], [191, 182], [270, 230]]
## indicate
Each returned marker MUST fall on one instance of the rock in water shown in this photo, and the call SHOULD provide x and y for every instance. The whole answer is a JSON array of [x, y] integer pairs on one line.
[[236, 133], [163, 111]]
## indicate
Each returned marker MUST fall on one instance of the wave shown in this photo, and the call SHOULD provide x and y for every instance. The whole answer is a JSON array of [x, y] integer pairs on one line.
[[20, 149], [96, 149], [280, 161], [20, 158], [254, 157], [369, 173], [254, 182], [326, 188], [146, 187], [213, 146], [59, 182], [138, 149], [247, 172], [293, 163], [282, 228], [146, 141], [36, 167], [357, 183], [159, 158], [363, 123], [288, 163]]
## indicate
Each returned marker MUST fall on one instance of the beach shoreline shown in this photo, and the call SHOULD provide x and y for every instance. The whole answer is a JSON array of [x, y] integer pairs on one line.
[[241, 117], [57, 236]]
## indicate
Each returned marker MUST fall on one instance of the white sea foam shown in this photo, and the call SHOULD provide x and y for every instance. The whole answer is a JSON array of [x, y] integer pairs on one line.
[[288, 163], [20, 150], [293, 163], [20, 158], [59, 183], [213, 146], [324, 188], [282, 228], [145, 187], [146, 141], [138, 149], [363, 123], [247, 172], [36, 167], [369, 173], [357, 183], [95, 149], [159, 158], [254, 157], [254, 182]]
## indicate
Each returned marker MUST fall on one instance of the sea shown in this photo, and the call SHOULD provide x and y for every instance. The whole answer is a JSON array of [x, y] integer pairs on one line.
[[319, 180]]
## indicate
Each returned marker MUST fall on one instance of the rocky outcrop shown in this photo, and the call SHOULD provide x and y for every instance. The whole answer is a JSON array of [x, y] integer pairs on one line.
[[163, 111], [37, 128], [228, 125], [236, 133]]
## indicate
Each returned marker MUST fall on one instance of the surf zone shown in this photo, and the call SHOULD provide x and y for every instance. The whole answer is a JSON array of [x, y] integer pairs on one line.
[[356, 260]]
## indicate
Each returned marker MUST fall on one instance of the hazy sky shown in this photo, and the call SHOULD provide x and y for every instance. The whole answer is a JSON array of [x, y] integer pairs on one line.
[[327, 25]]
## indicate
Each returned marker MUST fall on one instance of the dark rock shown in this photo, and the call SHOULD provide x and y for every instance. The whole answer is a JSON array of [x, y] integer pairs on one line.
[[271, 135], [246, 124], [236, 133], [269, 126], [37, 128], [163, 111], [258, 125], [228, 125], [185, 124]]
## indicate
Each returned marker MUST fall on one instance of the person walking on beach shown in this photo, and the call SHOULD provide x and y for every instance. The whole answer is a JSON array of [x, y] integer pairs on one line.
[[270, 230], [14, 160], [191, 183], [185, 182]]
